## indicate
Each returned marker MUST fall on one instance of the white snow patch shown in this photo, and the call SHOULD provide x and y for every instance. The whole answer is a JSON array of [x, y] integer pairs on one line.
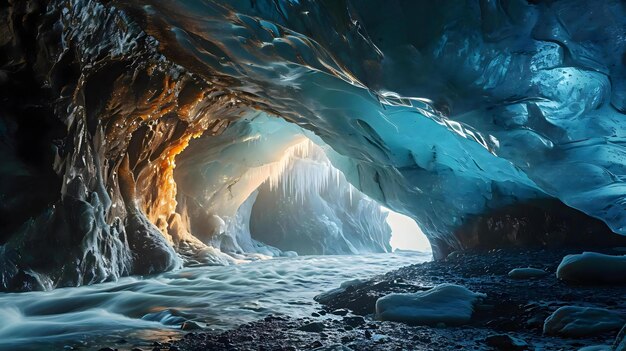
[[582, 321], [526, 273], [592, 267], [445, 303]]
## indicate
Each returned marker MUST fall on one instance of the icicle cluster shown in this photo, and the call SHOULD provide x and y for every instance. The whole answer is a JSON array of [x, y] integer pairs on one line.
[[303, 169]]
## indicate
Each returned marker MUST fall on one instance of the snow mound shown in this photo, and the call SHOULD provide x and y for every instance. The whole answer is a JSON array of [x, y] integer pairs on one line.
[[445, 303], [592, 267], [582, 321], [526, 273]]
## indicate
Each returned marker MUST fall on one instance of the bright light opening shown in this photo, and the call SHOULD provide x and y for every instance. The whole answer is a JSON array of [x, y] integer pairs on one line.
[[405, 233]]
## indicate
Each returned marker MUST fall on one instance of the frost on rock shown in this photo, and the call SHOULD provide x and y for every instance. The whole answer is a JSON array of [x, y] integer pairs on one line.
[[446, 303], [592, 268], [582, 321], [526, 273]]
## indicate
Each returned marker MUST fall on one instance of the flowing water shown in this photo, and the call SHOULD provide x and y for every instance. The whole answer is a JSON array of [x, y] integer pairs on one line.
[[141, 310]]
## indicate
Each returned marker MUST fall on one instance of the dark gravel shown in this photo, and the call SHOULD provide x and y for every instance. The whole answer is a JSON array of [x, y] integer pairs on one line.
[[514, 310]]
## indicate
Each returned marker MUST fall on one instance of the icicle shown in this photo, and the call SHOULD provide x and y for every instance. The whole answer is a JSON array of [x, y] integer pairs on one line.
[[303, 168]]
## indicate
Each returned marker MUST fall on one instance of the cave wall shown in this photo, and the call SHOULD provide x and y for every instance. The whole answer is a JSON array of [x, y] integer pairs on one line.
[[92, 120], [440, 110]]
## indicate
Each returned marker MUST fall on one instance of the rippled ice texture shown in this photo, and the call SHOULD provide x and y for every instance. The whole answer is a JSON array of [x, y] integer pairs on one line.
[[153, 308]]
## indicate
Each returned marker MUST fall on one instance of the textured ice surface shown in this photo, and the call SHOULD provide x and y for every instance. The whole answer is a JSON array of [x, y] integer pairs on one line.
[[443, 111], [267, 182], [446, 303], [439, 110], [582, 321], [312, 209], [592, 267]]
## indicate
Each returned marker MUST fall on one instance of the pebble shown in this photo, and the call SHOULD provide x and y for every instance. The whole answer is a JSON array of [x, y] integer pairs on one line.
[[314, 327], [506, 342]]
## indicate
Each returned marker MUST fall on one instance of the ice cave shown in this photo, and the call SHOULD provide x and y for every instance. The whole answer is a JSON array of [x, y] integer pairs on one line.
[[313, 175]]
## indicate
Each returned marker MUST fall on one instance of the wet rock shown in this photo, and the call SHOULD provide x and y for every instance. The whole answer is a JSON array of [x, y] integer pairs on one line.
[[526, 273], [336, 347], [314, 327], [340, 312], [316, 344], [223, 339], [506, 342], [189, 325], [354, 321]]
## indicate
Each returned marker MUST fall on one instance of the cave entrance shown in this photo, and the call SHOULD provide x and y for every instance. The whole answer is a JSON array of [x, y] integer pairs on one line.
[[269, 187], [311, 208], [406, 235]]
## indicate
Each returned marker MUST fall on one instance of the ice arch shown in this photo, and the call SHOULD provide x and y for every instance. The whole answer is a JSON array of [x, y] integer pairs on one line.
[[268, 182], [405, 233], [491, 123]]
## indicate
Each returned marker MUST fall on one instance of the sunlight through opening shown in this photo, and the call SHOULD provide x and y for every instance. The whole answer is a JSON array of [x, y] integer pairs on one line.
[[405, 233]]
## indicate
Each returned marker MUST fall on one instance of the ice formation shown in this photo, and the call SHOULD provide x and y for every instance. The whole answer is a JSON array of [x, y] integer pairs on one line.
[[592, 268], [278, 188], [314, 210], [446, 303], [128, 132], [581, 321]]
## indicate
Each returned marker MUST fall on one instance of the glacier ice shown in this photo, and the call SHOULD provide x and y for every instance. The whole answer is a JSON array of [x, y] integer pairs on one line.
[[456, 110], [592, 268], [446, 303], [581, 321], [463, 115], [272, 184]]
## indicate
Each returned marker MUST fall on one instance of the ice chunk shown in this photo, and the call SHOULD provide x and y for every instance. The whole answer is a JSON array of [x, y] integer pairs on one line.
[[582, 321], [525, 273], [445, 303], [592, 267]]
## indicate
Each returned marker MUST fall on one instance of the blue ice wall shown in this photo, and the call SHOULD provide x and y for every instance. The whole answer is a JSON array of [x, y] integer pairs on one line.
[[438, 109]]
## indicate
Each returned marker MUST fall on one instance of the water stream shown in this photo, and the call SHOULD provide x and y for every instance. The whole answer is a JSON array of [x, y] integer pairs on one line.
[[143, 309]]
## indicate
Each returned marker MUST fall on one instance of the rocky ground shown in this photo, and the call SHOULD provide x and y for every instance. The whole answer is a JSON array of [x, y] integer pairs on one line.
[[510, 318]]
